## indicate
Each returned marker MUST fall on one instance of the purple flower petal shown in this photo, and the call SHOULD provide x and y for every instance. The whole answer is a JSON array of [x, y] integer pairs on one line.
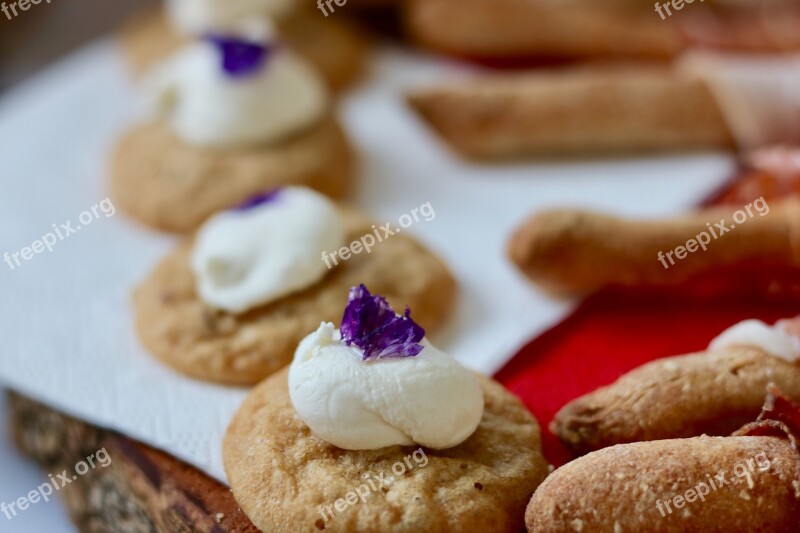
[[239, 58], [369, 323], [259, 199]]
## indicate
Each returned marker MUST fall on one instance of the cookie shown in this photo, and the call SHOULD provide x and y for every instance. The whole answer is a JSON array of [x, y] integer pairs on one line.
[[179, 329], [283, 477], [171, 185], [334, 47]]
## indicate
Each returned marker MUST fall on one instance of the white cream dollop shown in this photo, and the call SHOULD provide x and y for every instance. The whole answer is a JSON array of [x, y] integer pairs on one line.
[[246, 258], [207, 107], [429, 399], [775, 340], [197, 17]]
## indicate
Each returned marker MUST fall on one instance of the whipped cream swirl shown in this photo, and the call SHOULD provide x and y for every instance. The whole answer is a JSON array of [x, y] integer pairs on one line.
[[210, 105], [427, 399], [266, 249]]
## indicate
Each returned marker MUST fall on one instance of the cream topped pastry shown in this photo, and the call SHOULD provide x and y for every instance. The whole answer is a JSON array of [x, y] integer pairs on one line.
[[779, 340], [237, 89], [265, 249], [196, 17], [378, 382]]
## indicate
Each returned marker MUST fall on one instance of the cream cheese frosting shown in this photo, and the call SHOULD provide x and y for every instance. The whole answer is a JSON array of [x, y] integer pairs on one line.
[[207, 106], [248, 257], [429, 399], [775, 340]]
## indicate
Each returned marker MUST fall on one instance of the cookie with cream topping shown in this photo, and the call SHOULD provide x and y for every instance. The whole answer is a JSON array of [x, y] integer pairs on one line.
[[336, 48], [231, 304], [372, 428], [234, 114]]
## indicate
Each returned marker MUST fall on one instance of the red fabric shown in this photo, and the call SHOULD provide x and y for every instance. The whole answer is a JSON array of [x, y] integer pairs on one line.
[[613, 332]]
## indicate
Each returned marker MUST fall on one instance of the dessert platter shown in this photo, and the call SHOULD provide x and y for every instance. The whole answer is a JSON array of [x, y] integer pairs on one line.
[[290, 270]]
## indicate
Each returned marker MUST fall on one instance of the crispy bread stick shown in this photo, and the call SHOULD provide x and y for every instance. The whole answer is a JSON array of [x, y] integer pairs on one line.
[[491, 29], [712, 392], [575, 111], [708, 484], [572, 252]]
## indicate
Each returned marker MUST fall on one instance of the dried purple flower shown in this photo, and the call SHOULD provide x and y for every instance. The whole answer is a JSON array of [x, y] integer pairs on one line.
[[373, 326], [259, 199], [239, 58]]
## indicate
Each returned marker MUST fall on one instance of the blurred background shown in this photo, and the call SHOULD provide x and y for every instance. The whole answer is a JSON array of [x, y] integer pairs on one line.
[[45, 32]]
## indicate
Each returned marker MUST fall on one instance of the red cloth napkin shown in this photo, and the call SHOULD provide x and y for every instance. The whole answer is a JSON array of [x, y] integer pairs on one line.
[[615, 331]]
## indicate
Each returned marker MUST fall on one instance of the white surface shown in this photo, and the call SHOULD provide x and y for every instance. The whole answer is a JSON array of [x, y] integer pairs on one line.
[[65, 315]]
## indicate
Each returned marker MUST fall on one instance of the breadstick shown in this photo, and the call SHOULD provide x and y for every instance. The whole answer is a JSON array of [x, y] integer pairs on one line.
[[571, 252], [712, 392], [708, 484], [747, 482], [490, 29], [599, 109], [514, 28]]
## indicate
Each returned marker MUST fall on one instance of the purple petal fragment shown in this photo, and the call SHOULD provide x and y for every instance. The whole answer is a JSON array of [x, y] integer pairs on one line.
[[373, 326], [258, 200], [239, 58]]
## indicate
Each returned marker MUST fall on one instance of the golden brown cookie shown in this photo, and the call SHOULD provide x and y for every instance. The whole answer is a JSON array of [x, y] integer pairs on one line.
[[712, 393], [284, 477], [334, 47], [183, 332], [168, 184]]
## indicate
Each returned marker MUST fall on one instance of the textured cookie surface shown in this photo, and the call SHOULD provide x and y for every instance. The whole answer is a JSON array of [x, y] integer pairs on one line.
[[281, 474], [176, 326], [163, 182]]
